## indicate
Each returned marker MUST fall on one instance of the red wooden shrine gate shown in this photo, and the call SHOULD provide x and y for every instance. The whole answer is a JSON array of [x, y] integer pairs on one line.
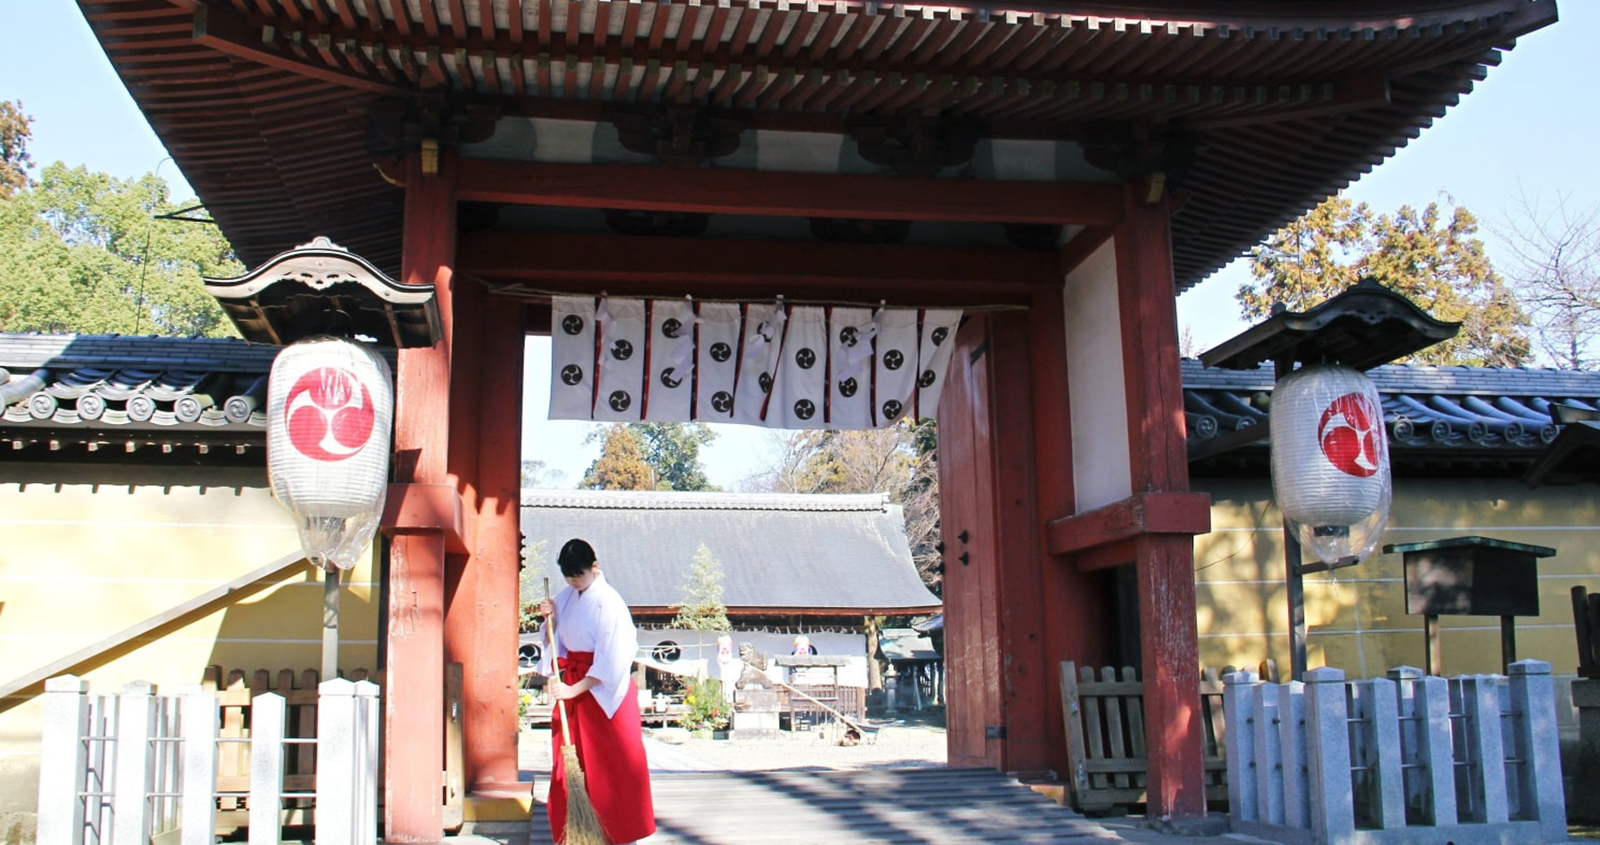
[[1121, 146], [1087, 359]]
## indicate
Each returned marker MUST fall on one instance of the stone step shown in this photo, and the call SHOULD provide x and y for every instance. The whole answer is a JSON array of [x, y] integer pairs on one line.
[[873, 807]]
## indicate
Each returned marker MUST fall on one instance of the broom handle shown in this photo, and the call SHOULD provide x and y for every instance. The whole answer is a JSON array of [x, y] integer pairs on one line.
[[550, 641]]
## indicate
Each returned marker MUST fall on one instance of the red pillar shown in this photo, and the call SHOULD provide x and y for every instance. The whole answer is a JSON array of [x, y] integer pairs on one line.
[[1074, 601], [1020, 604], [1169, 642], [414, 701], [489, 647]]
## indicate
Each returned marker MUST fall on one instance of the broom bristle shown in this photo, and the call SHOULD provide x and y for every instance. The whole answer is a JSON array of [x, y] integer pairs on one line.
[[583, 825]]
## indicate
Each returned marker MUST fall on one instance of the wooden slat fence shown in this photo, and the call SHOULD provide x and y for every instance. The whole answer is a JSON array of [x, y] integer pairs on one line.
[[805, 714], [236, 691], [1104, 715]]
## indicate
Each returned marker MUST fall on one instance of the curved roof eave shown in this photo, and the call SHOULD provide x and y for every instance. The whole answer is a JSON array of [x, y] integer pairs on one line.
[[270, 113]]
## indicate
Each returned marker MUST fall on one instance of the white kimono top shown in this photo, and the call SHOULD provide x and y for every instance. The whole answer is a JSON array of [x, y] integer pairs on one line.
[[596, 620]]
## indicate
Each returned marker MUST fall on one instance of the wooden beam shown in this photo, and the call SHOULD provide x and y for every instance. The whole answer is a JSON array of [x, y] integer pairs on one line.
[[1153, 512], [714, 267], [172, 615], [652, 188]]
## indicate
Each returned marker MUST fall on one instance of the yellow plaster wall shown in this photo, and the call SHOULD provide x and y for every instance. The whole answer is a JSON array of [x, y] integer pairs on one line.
[[1356, 618], [89, 551]]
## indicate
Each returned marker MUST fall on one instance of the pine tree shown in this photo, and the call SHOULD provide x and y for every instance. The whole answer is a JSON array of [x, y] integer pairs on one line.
[[621, 465], [702, 608]]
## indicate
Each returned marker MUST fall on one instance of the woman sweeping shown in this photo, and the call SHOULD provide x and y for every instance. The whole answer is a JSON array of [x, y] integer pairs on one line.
[[595, 642]]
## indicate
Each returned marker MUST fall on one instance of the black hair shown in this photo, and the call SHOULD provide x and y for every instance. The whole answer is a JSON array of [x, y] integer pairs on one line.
[[576, 558]]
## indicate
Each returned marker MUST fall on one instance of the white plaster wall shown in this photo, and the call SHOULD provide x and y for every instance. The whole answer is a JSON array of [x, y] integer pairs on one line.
[[853, 647], [1101, 469]]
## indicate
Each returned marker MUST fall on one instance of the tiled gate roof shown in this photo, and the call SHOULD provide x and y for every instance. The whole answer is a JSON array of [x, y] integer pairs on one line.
[[1433, 414]]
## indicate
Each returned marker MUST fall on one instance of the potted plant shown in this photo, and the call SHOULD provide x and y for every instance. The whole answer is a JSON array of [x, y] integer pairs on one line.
[[706, 709]]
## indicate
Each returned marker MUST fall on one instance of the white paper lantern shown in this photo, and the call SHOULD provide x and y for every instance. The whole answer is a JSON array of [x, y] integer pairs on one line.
[[330, 405], [1330, 461]]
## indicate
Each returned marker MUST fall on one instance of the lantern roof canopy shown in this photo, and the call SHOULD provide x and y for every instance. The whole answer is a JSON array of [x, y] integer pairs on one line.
[[1474, 541], [322, 288], [1249, 113], [1365, 326]]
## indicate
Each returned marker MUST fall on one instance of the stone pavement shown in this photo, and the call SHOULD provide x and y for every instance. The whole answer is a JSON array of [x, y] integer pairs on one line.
[[699, 803]]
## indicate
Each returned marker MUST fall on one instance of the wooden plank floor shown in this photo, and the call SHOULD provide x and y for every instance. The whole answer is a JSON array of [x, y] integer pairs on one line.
[[926, 806]]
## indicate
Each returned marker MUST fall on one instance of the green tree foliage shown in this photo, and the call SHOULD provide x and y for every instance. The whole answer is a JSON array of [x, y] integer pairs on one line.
[[673, 451], [82, 252], [1431, 255], [901, 460], [702, 608], [15, 130], [621, 465]]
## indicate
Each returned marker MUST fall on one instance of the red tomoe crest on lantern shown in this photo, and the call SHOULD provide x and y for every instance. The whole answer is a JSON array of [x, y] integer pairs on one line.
[[330, 403], [1330, 460], [1349, 434], [329, 414]]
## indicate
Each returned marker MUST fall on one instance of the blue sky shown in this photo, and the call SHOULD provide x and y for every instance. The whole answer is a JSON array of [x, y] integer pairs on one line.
[[1532, 127]]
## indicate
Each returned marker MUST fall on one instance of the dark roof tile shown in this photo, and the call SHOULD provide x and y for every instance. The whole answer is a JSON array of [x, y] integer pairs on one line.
[[842, 553]]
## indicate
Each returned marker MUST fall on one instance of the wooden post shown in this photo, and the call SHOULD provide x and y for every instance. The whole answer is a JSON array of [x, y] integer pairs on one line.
[[1432, 664], [414, 706], [330, 623], [1074, 622], [491, 657], [1169, 639], [1295, 592], [1508, 642]]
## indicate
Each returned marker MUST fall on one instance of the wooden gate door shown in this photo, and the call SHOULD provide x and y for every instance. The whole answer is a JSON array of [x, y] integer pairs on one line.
[[967, 517]]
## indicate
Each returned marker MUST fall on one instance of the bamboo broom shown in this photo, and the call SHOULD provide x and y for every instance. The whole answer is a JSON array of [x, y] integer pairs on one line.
[[583, 824]]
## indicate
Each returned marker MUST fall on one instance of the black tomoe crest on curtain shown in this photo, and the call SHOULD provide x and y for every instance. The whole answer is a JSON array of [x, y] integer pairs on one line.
[[620, 370], [670, 390], [762, 363]]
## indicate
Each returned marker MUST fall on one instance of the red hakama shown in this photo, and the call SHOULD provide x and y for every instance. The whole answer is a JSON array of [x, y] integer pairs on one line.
[[611, 754]]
